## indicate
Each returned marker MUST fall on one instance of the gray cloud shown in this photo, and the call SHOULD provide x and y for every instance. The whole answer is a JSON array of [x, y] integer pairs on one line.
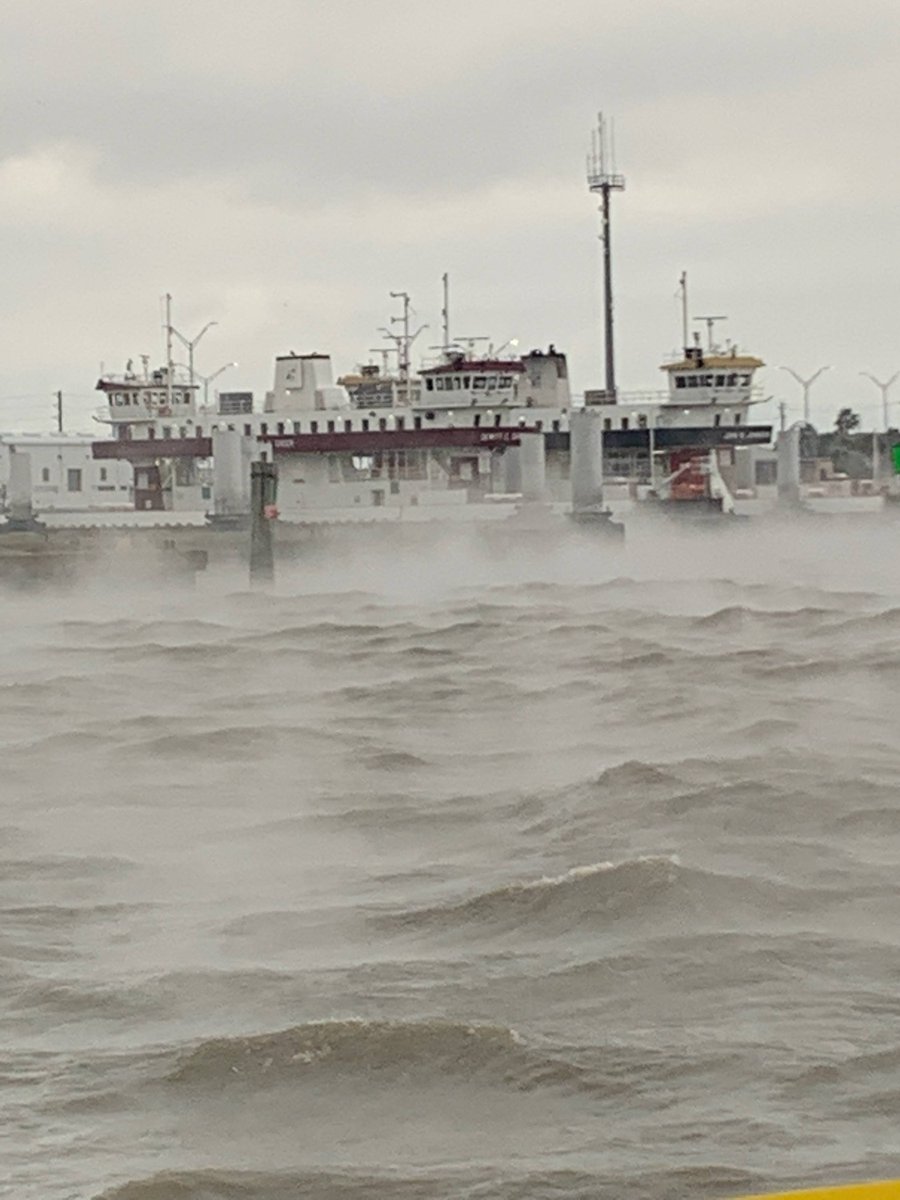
[[281, 166]]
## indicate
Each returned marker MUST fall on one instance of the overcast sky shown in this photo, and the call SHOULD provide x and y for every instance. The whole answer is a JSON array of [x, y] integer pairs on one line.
[[280, 166]]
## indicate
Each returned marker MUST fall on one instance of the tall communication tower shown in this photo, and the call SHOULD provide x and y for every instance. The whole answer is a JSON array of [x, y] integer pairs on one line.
[[602, 178]]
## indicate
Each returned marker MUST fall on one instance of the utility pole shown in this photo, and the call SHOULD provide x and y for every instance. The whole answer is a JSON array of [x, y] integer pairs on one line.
[[59, 412], [602, 179], [806, 384]]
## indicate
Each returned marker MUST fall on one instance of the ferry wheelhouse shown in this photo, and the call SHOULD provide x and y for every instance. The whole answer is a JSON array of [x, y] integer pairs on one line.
[[691, 442]]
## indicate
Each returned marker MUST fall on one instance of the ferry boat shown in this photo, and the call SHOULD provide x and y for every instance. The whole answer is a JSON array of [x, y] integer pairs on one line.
[[449, 448], [693, 449]]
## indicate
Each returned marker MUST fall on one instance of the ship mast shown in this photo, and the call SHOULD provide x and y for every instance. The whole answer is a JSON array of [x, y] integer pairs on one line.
[[445, 314], [403, 342], [602, 179], [682, 284]]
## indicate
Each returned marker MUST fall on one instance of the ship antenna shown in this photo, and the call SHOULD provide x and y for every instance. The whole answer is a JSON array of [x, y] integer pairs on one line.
[[710, 322], [445, 314], [684, 310], [603, 179], [403, 341]]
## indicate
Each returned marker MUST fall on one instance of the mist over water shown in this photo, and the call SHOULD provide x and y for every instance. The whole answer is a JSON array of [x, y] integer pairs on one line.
[[546, 869]]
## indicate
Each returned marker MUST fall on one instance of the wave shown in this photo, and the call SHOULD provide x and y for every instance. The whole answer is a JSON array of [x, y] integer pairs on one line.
[[579, 896], [637, 774], [63, 867], [333, 1050], [485, 1183], [210, 1184], [654, 891], [711, 1181]]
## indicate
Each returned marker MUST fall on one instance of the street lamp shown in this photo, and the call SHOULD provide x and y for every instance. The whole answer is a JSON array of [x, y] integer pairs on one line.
[[806, 384], [207, 380], [190, 343], [884, 388]]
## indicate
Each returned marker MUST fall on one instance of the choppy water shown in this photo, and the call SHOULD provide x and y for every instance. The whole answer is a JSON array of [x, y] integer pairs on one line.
[[547, 874]]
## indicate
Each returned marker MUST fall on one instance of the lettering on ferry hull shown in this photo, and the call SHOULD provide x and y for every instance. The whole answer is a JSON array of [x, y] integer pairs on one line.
[[370, 441], [704, 437], [355, 442]]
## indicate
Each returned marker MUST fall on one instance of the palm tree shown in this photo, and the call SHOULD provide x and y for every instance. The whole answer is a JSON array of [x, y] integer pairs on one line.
[[846, 421]]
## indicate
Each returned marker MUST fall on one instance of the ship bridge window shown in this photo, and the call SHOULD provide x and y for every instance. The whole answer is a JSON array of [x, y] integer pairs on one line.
[[732, 380], [491, 383], [745, 381], [429, 385], [479, 383], [506, 381], [720, 381], [467, 381], [680, 381], [691, 380]]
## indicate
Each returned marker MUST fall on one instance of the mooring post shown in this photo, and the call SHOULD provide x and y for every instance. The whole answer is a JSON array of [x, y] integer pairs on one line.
[[263, 493]]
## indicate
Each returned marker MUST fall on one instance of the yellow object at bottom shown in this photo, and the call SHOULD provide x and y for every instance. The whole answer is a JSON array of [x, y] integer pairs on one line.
[[885, 1189]]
